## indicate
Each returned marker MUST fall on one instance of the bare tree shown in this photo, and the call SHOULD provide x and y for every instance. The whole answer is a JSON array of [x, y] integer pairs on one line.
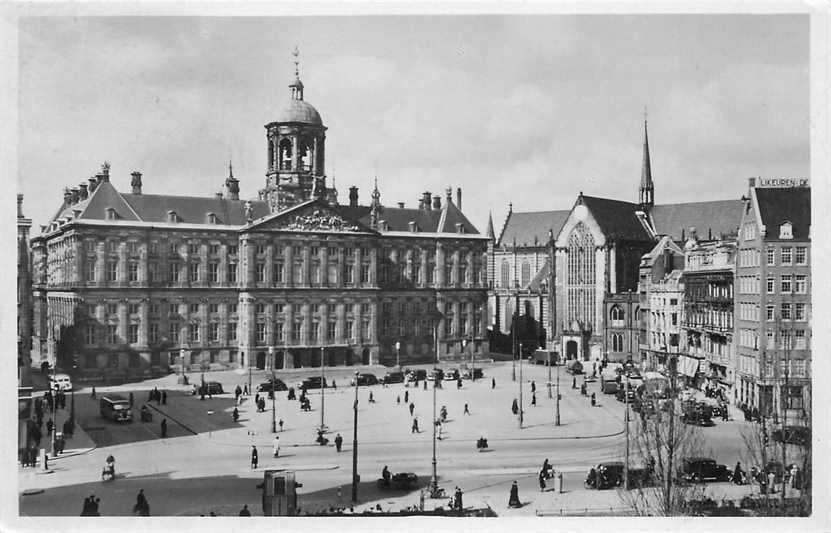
[[661, 441]]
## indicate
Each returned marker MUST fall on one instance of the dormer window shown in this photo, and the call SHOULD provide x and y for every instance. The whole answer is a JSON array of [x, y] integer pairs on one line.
[[172, 216], [111, 214], [212, 218], [786, 231]]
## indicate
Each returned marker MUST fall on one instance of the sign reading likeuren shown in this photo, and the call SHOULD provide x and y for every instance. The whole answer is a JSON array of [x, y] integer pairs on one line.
[[784, 182]]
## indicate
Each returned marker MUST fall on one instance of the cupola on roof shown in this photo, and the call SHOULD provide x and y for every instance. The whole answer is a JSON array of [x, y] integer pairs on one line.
[[296, 109]]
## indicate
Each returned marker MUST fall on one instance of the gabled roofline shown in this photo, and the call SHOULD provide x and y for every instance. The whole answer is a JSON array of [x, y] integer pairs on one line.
[[252, 226]]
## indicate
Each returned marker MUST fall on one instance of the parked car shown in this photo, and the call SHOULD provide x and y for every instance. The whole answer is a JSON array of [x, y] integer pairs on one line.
[[60, 382], [606, 476], [698, 469], [277, 385], [365, 379], [574, 367], [210, 387], [697, 413], [416, 375], [451, 374], [620, 395], [476, 373], [436, 372], [314, 382], [116, 408], [393, 377], [800, 435]]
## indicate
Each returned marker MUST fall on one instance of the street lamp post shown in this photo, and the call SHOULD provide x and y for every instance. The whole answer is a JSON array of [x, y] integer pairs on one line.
[[549, 374], [398, 355], [520, 386], [250, 385], [322, 388], [273, 395], [513, 348], [464, 349], [557, 411], [627, 369], [355, 443], [434, 483], [182, 358]]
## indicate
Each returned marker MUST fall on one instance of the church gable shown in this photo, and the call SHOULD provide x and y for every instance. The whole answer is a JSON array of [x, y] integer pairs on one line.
[[312, 217], [580, 214]]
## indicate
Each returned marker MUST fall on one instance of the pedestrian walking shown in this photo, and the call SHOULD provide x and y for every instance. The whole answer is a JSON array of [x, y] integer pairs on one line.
[[457, 499], [406, 396], [164, 427], [542, 480], [238, 391], [493, 383], [398, 399], [425, 384], [371, 398], [280, 423], [245, 392], [141, 508], [254, 457], [458, 383], [533, 386], [49, 426], [771, 482], [257, 399], [244, 511], [276, 448], [338, 442], [164, 397], [466, 411], [131, 399], [574, 382], [514, 407], [440, 426], [513, 500], [412, 408], [414, 428], [235, 414], [534, 399]]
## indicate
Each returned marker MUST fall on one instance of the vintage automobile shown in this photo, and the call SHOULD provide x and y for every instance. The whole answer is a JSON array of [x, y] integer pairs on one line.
[[393, 377], [314, 382], [399, 481], [699, 414], [698, 469], [365, 379], [277, 385]]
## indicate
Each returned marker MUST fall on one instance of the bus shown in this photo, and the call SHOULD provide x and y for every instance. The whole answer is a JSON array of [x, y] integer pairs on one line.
[[116, 408]]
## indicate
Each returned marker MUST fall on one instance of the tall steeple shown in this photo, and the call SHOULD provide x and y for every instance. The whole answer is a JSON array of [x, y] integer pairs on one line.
[[647, 188], [489, 233], [296, 86], [232, 183]]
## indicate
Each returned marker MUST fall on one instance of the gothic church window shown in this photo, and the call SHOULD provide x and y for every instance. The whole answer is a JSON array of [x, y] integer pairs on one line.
[[506, 274], [526, 273]]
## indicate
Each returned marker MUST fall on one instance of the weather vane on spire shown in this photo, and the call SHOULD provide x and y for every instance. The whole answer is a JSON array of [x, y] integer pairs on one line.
[[296, 54]]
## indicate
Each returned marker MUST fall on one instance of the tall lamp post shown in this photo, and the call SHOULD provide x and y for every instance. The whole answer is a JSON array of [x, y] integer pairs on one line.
[[355, 443], [557, 410], [273, 395], [434, 482], [627, 368], [398, 355], [322, 388], [520, 386], [182, 358], [549, 374]]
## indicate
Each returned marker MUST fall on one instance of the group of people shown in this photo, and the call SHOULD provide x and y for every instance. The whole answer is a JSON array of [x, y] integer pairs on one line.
[[546, 472], [160, 397]]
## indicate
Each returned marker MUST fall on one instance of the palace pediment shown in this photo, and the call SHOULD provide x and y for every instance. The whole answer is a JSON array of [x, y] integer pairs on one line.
[[312, 217]]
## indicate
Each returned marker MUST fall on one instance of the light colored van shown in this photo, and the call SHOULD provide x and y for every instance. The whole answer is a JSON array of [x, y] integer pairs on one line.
[[60, 382]]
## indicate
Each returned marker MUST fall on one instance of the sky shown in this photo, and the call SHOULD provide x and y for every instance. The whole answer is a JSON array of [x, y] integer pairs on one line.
[[523, 109]]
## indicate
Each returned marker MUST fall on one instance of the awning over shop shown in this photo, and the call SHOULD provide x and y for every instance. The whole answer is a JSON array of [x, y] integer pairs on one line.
[[689, 366]]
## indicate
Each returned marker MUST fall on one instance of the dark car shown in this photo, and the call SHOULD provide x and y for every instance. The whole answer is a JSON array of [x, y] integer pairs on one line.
[[698, 414], [366, 379], [451, 374], [619, 395], [393, 377], [606, 476], [314, 382], [211, 387], [277, 386], [698, 469], [417, 375], [800, 435], [476, 373]]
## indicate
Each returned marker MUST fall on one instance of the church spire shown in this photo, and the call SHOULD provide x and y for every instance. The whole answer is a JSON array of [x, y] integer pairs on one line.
[[489, 233], [647, 188], [296, 86], [232, 183]]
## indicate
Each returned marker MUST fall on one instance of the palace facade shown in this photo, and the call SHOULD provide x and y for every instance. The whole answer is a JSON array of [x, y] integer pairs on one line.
[[131, 283]]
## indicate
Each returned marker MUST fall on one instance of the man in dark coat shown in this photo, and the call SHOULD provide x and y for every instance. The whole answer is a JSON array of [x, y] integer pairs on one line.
[[457, 499], [254, 457], [164, 427], [412, 408], [338, 442], [514, 407], [533, 386], [244, 511], [406, 396], [142, 508], [493, 383], [164, 397]]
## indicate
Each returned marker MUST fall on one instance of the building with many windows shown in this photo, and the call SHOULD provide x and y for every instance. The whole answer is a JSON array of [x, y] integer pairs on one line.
[[773, 300], [124, 281], [24, 296]]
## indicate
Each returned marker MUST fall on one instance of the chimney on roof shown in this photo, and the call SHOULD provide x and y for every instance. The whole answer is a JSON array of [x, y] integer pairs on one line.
[[353, 196], [400, 205], [135, 182], [448, 193], [105, 171], [459, 198], [412, 225], [751, 182], [93, 183], [67, 196], [382, 225], [19, 206], [83, 188], [75, 195], [459, 227], [425, 200], [437, 202]]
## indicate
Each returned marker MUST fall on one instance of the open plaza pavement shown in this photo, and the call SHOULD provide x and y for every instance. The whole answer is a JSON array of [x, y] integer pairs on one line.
[[203, 464]]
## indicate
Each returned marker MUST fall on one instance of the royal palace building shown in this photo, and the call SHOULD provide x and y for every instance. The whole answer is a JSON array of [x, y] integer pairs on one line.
[[130, 282]]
